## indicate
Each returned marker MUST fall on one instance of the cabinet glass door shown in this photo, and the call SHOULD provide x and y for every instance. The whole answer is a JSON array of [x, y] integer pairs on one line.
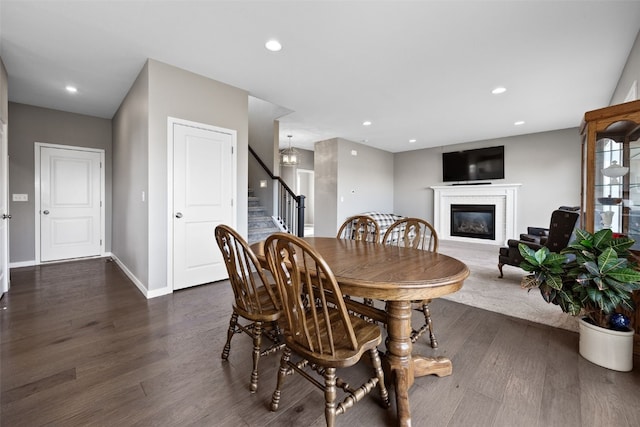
[[610, 175]]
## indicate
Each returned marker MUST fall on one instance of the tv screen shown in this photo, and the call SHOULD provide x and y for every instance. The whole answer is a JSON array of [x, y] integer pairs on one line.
[[473, 165]]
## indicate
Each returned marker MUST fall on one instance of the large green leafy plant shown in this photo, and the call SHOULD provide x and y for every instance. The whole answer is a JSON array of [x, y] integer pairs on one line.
[[592, 276]]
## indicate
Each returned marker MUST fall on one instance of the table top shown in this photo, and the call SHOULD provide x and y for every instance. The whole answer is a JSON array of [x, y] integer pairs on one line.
[[378, 271]]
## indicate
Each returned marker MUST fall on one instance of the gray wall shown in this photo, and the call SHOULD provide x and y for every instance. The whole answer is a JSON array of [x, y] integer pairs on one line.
[[130, 178], [547, 165], [140, 128], [263, 134], [346, 185], [4, 93], [630, 74], [35, 124], [326, 187], [181, 94]]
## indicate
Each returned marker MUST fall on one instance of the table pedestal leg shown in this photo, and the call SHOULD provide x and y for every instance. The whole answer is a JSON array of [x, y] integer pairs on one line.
[[404, 366], [399, 355]]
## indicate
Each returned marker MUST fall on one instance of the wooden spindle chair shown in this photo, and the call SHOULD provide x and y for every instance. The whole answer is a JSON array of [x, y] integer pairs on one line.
[[324, 335], [418, 234], [360, 227], [255, 299]]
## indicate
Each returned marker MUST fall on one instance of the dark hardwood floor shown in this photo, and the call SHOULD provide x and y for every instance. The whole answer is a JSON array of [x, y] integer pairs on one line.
[[81, 346]]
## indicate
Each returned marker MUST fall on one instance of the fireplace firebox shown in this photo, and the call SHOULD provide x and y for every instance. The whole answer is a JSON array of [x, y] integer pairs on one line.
[[475, 221]]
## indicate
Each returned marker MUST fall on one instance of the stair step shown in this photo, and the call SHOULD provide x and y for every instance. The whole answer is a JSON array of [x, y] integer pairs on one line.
[[259, 223], [264, 224]]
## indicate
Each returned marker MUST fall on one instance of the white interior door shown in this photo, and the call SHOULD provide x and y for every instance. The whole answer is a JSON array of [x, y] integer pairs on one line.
[[203, 193], [4, 212], [70, 209]]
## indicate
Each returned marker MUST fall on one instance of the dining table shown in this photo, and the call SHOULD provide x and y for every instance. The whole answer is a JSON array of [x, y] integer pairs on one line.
[[398, 276]]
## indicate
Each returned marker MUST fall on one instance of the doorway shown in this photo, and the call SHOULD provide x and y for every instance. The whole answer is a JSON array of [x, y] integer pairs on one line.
[[69, 202], [202, 192], [304, 186]]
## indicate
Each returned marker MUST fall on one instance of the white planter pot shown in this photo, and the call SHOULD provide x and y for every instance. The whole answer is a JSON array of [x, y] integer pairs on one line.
[[606, 347]]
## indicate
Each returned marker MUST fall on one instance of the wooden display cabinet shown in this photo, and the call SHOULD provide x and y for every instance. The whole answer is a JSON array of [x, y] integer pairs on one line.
[[610, 189]]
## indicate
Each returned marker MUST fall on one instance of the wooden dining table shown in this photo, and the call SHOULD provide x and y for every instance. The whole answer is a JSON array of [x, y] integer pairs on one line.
[[398, 276]]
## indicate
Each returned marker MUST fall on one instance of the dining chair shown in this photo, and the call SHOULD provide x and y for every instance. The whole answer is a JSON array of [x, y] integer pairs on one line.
[[418, 234], [359, 227], [323, 335], [255, 299]]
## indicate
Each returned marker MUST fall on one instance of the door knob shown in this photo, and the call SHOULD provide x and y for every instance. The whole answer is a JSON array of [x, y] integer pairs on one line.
[[179, 215], [46, 212], [5, 216]]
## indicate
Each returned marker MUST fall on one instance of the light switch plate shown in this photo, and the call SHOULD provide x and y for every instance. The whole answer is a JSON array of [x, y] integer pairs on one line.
[[20, 197]]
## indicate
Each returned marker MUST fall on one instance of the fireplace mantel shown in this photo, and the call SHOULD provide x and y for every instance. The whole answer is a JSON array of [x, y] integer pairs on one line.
[[503, 196]]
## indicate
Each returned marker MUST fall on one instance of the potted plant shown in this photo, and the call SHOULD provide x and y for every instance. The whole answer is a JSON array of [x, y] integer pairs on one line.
[[593, 278]]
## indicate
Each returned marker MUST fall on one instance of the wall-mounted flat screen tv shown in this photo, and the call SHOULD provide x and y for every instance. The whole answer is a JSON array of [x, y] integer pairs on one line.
[[473, 165]]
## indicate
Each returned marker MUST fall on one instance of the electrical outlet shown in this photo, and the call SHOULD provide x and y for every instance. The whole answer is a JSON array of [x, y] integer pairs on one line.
[[20, 197]]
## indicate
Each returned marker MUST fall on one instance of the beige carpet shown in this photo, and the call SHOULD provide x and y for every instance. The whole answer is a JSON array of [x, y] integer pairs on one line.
[[483, 288]]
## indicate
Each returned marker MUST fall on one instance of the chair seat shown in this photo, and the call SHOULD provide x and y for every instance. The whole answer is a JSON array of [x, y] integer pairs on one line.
[[367, 334], [269, 311]]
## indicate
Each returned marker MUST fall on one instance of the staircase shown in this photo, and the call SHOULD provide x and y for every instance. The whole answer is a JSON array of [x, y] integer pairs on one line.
[[260, 224]]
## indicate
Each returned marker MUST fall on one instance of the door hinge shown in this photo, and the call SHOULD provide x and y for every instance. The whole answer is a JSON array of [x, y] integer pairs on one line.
[[100, 165], [100, 242], [231, 202], [231, 150], [100, 203]]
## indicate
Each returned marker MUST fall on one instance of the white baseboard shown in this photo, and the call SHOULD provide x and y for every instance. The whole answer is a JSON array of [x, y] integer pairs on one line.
[[22, 264], [147, 293], [33, 262], [159, 292]]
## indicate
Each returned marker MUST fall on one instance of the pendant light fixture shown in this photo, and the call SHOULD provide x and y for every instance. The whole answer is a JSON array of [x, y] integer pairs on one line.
[[289, 156]]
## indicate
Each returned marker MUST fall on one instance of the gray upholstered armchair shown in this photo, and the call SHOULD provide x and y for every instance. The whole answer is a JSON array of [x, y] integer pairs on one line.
[[559, 234]]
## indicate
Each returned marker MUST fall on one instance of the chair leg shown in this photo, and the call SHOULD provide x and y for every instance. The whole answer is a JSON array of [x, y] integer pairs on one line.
[[330, 394], [377, 367], [230, 333], [257, 338], [427, 319], [500, 268], [282, 373]]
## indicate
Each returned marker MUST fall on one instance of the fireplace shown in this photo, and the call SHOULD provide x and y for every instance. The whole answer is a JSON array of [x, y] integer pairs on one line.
[[503, 196], [474, 221]]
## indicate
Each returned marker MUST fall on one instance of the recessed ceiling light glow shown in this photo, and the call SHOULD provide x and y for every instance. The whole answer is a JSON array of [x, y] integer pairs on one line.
[[499, 90], [519, 123], [273, 45], [71, 89], [366, 123], [411, 141]]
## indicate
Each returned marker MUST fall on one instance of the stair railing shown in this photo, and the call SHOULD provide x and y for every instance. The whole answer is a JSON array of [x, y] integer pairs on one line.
[[290, 207]]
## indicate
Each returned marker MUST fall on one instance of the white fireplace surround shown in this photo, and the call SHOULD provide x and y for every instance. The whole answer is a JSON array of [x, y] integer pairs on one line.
[[503, 196]]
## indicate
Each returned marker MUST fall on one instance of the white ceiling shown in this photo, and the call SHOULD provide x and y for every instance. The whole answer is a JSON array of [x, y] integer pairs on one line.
[[416, 69]]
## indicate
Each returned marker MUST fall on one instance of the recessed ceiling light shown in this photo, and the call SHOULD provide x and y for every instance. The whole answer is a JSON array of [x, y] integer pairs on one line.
[[519, 122], [273, 45], [71, 89], [411, 141], [366, 123], [499, 90]]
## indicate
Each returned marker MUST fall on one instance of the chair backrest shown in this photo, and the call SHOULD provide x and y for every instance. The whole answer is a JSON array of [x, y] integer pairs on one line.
[[360, 227], [303, 280], [245, 274], [412, 233], [560, 229]]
